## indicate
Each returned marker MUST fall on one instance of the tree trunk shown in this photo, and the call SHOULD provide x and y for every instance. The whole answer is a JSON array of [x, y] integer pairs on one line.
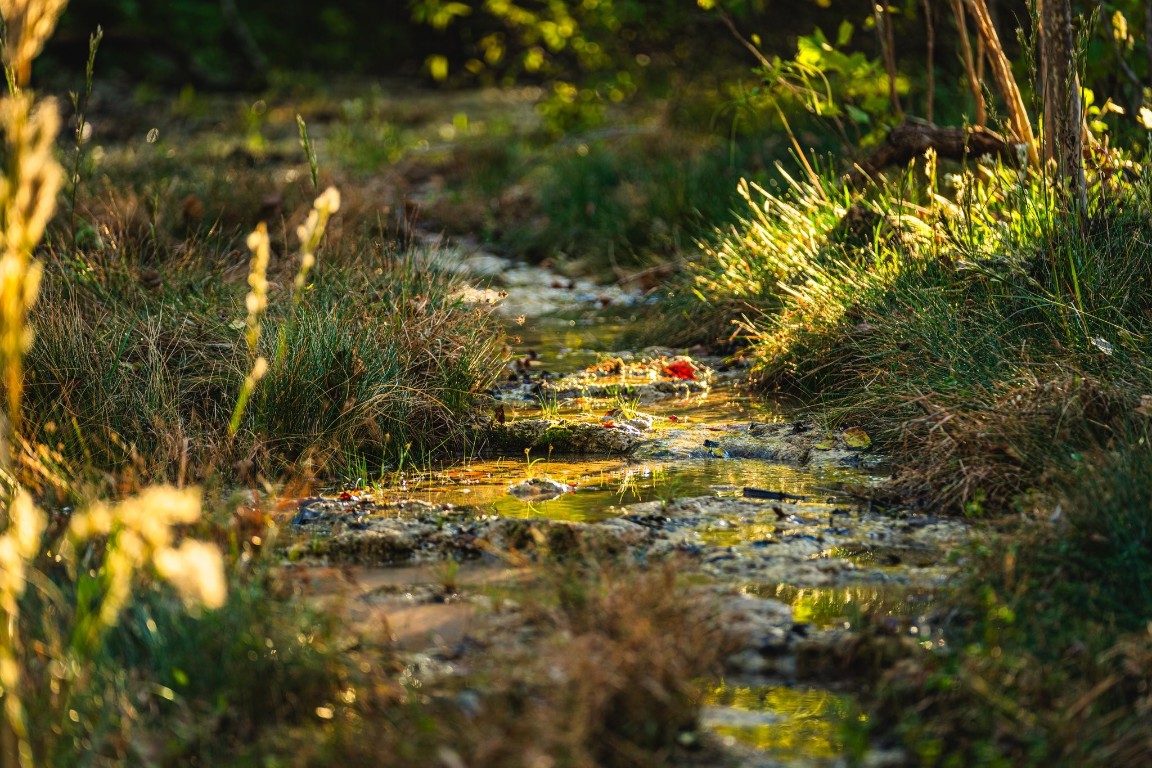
[[883, 17], [1063, 112], [930, 31], [1148, 38], [912, 139]]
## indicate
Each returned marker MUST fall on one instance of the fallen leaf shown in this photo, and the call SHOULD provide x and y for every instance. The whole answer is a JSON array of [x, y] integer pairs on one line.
[[1102, 344], [680, 369], [854, 437]]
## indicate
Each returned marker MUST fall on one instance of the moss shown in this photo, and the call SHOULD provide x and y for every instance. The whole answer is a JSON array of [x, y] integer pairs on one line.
[[371, 547], [560, 437]]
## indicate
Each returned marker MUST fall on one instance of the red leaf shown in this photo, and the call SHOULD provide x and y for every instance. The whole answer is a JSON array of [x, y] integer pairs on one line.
[[680, 369], [345, 496], [673, 417], [609, 424]]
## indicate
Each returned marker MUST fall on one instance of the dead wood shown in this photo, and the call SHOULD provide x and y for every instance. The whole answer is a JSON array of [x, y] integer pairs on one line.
[[911, 139]]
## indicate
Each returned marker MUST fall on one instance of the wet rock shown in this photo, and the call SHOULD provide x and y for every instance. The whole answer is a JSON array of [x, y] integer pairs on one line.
[[358, 530], [558, 436], [380, 541], [753, 620], [638, 423], [539, 489], [843, 654], [798, 443], [781, 568], [564, 540], [748, 661], [643, 379], [790, 442], [757, 635]]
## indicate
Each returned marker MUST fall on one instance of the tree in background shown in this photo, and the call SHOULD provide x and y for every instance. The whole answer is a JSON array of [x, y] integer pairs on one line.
[[1063, 111]]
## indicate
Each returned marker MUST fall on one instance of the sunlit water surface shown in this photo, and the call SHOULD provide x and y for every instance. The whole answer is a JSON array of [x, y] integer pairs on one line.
[[788, 724]]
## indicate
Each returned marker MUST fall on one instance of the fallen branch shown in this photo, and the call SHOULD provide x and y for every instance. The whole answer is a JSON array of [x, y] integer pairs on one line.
[[910, 140]]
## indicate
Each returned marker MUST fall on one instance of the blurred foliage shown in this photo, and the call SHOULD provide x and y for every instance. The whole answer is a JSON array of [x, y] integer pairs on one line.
[[603, 45], [590, 54], [847, 89]]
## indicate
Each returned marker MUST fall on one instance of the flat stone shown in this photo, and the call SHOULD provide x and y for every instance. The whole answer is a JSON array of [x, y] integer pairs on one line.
[[539, 489], [558, 436]]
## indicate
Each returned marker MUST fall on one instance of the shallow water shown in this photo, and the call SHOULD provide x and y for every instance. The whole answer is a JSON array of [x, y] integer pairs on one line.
[[564, 345], [788, 724], [827, 607], [603, 486]]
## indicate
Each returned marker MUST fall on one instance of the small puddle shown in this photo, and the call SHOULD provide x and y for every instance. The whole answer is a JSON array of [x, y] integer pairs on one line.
[[800, 725], [565, 344]]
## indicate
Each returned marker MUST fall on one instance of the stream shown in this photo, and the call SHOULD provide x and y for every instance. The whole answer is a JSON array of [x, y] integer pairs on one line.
[[671, 456]]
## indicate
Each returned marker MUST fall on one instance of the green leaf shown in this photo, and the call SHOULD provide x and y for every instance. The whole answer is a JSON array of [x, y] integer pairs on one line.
[[438, 67], [854, 437], [844, 34], [858, 115]]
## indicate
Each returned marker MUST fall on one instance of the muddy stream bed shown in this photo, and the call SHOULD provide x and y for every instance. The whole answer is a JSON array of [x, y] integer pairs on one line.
[[643, 455]]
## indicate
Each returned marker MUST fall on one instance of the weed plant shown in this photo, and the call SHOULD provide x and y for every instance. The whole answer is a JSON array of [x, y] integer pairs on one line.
[[135, 631], [601, 673], [66, 582]]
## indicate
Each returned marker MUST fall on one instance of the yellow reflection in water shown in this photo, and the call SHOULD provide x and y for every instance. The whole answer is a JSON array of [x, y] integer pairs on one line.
[[827, 606], [796, 723]]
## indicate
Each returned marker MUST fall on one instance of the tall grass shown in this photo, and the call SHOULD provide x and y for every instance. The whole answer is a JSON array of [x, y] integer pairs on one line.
[[996, 349], [378, 356], [104, 551], [971, 327], [1052, 659]]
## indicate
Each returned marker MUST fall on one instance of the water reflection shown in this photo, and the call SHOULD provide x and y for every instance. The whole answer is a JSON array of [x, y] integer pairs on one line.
[[835, 606], [788, 723], [604, 486], [564, 344]]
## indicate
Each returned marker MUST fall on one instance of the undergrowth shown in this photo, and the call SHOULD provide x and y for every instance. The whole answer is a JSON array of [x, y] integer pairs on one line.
[[982, 338], [995, 348], [136, 367], [601, 669], [1052, 648]]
